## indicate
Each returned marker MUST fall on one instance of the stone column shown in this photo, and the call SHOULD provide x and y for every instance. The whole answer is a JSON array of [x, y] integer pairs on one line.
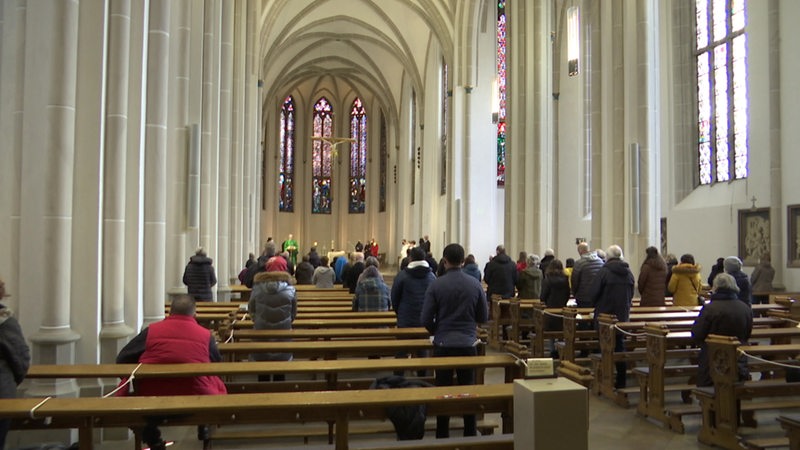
[[12, 75], [155, 161], [210, 127], [225, 116], [114, 330], [48, 137]]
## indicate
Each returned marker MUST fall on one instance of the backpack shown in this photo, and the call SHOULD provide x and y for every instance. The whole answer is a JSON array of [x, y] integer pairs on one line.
[[408, 420]]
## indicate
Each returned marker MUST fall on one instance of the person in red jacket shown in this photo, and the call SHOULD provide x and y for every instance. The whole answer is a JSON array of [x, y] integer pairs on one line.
[[176, 339]]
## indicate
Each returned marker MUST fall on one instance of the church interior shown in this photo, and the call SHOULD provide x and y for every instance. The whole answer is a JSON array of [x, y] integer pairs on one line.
[[136, 131]]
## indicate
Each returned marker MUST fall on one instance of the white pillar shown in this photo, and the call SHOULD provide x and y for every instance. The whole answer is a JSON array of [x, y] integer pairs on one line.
[[210, 127], [225, 116], [155, 161], [114, 329], [48, 137]]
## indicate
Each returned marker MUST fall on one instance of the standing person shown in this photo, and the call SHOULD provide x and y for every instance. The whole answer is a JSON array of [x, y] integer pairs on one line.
[[500, 274], [176, 339], [671, 261], [359, 247], [723, 315], [522, 261], [324, 276], [408, 293], [339, 264], [652, 277], [761, 279], [454, 306], [273, 306], [371, 293], [529, 284], [685, 282], [15, 358], [368, 248], [373, 248], [611, 293], [569, 264], [733, 267], [350, 274], [199, 276], [250, 261], [290, 246], [313, 257], [716, 269], [583, 274], [304, 271], [555, 294], [425, 243], [471, 267], [549, 255]]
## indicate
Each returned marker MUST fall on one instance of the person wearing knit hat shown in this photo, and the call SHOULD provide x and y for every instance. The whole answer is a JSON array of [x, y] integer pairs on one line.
[[733, 267]]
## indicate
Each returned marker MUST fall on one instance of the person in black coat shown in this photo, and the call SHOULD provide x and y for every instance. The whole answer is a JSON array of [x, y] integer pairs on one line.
[[313, 257], [350, 275], [611, 293], [500, 275], [304, 271], [724, 315], [199, 276], [15, 358], [716, 269], [733, 266], [555, 294]]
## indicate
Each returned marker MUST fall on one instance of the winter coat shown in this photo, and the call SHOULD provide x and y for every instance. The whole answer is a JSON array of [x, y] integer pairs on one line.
[[304, 273], [351, 274], [15, 356], [716, 269], [743, 283], [529, 284], [323, 277], [726, 316], [555, 294], [583, 275], [199, 277], [176, 339], [314, 259], [371, 294], [454, 304], [472, 270], [612, 289], [500, 275], [408, 293], [652, 278], [338, 269], [273, 306], [545, 262], [685, 284], [762, 277]]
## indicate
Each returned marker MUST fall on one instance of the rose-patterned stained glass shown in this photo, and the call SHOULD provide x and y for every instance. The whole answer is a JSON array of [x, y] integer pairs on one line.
[[358, 158], [501, 92], [286, 151], [722, 90], [321, 159]]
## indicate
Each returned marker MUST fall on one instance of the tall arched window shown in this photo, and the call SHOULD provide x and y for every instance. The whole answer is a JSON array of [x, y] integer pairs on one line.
[[501, 92], [358, 157], [721, 90], [286, 168], [321, 159]]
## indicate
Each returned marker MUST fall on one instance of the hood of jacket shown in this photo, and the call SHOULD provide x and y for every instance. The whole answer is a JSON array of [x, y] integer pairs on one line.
[[686, 269], [502, 258], [273, 281], [618, 267], [200, 259], [418, 269], [590, 256], [324, 269]]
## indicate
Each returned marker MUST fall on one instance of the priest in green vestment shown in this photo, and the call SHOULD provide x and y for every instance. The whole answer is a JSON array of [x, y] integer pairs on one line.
[[290, 245]]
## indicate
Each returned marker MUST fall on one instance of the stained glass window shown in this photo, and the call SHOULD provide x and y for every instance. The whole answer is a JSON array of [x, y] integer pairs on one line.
[[322, 159], [501, 92], [383, 167], [286, 167], [358, 157], [445, 88], [573, 41], [721, 90]]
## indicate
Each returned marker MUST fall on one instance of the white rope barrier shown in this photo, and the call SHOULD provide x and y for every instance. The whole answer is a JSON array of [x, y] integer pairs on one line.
[[126, 383]]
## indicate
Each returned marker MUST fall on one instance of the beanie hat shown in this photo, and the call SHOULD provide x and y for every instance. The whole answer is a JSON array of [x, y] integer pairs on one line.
[[732, 264]]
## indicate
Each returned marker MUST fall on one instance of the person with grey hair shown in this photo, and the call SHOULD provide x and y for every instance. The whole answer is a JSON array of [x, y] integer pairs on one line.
[[761, 279], [351, 272], [583, 274], [726, 316], [199, 276], [529, 284], [549, 255], [733, 267], [611, 293]]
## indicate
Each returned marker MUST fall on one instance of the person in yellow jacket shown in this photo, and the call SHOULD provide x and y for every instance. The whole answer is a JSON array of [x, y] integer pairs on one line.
[[685, 282]]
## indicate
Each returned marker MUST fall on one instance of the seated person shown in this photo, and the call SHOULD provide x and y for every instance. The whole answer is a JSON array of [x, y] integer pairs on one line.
[[176, 339]]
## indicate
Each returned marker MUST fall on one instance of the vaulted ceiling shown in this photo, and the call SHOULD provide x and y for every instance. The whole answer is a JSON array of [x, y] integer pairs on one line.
[[371, 46]]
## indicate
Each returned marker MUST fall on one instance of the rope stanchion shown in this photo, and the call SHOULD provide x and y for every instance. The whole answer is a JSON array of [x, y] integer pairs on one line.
[[774, 363], [126, 383], [32, 412], [628, 332]]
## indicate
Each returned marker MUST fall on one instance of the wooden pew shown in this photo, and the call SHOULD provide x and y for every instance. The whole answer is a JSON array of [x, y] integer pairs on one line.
[[791, 423], [331, 334], [302, 314], [722, 403], [340, 407], [325, 349], [329, 323]]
